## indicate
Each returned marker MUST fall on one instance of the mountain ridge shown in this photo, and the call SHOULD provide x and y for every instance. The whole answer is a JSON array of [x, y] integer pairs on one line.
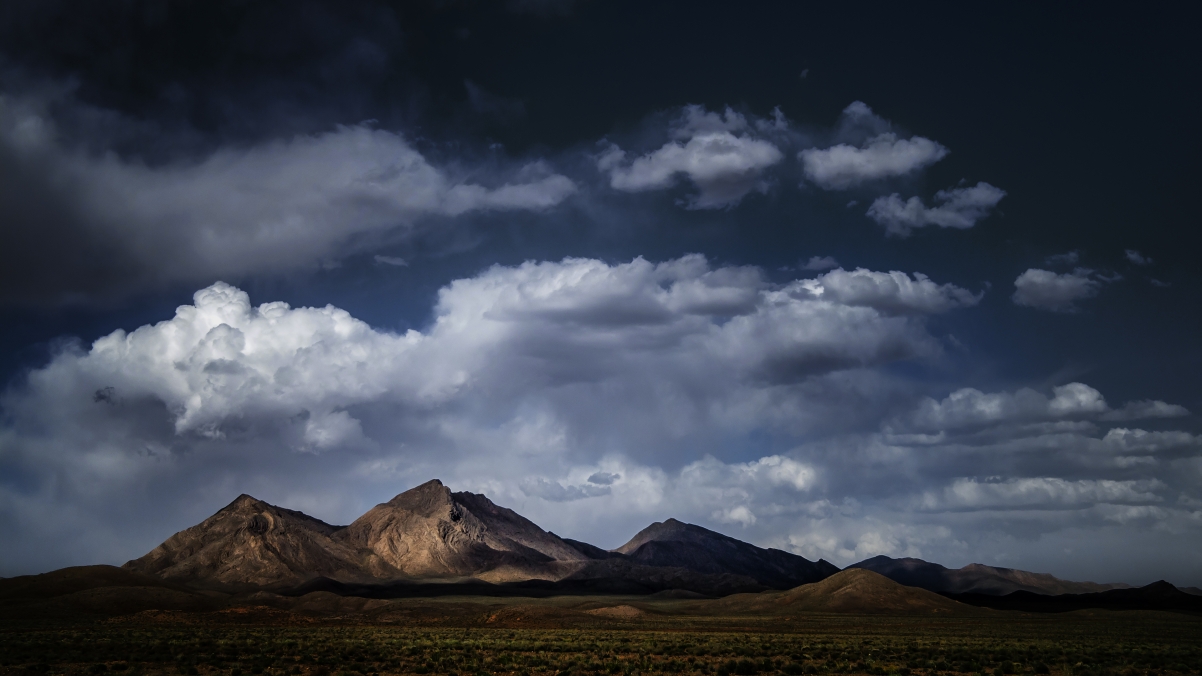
[[676, 543], [975, 578], [431, 534]]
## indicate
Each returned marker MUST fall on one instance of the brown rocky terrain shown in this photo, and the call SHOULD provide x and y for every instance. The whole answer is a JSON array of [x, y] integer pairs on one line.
[[430, 532], [251, 543], [427, 532]]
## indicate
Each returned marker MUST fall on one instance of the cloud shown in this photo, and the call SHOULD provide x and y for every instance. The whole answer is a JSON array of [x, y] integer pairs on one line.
[[394, 261], [1136, 410], [577, 320], [538, 487], [1042, 493], [528, 366], [821, 263], [266, 208], [969, 407], [893, 292], [773, 471], [1046, 290], [1137, 258], [719, 154], [603, 478], [959, 208], [1069, 258], [1123, 440], [592, 397], [844, 166]]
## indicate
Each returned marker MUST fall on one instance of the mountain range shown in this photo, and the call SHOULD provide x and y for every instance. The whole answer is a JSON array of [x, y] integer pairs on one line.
[[975, 578], [431, 534], [427, 537], [430, 541]]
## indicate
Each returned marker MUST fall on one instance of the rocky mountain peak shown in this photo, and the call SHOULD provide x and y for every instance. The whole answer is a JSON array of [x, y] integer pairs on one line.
[[250, 543], [428, 499]]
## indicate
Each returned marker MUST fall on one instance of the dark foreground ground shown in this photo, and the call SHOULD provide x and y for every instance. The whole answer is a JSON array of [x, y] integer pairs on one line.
[[545, 638]]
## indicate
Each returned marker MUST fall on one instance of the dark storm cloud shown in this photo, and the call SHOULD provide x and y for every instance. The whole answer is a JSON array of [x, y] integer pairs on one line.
[[269, 208], [137, 135]]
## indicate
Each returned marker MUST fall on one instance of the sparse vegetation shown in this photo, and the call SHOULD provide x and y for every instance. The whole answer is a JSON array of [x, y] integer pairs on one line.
[[1114, 645]]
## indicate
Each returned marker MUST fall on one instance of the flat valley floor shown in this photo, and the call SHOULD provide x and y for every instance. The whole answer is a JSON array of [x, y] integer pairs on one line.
[[593, 635]]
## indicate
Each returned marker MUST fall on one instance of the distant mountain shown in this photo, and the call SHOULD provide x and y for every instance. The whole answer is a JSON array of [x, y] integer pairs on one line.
[[850, 591], [1156, 596], [676, 544], [975, 578]]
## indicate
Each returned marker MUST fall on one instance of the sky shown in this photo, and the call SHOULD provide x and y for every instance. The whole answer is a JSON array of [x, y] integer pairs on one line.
[[840, 280]]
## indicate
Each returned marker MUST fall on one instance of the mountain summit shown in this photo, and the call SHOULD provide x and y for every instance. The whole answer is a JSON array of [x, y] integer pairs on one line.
[[684, 545], [430, 532], [251, 543]]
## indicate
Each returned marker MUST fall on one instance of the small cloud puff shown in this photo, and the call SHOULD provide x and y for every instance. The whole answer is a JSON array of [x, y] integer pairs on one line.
[[1069, 258], [959, 208], [1137, 258], [553, 491], [391, 260], [1046, 290], [882, 156], [821, 263], [719, 154]]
